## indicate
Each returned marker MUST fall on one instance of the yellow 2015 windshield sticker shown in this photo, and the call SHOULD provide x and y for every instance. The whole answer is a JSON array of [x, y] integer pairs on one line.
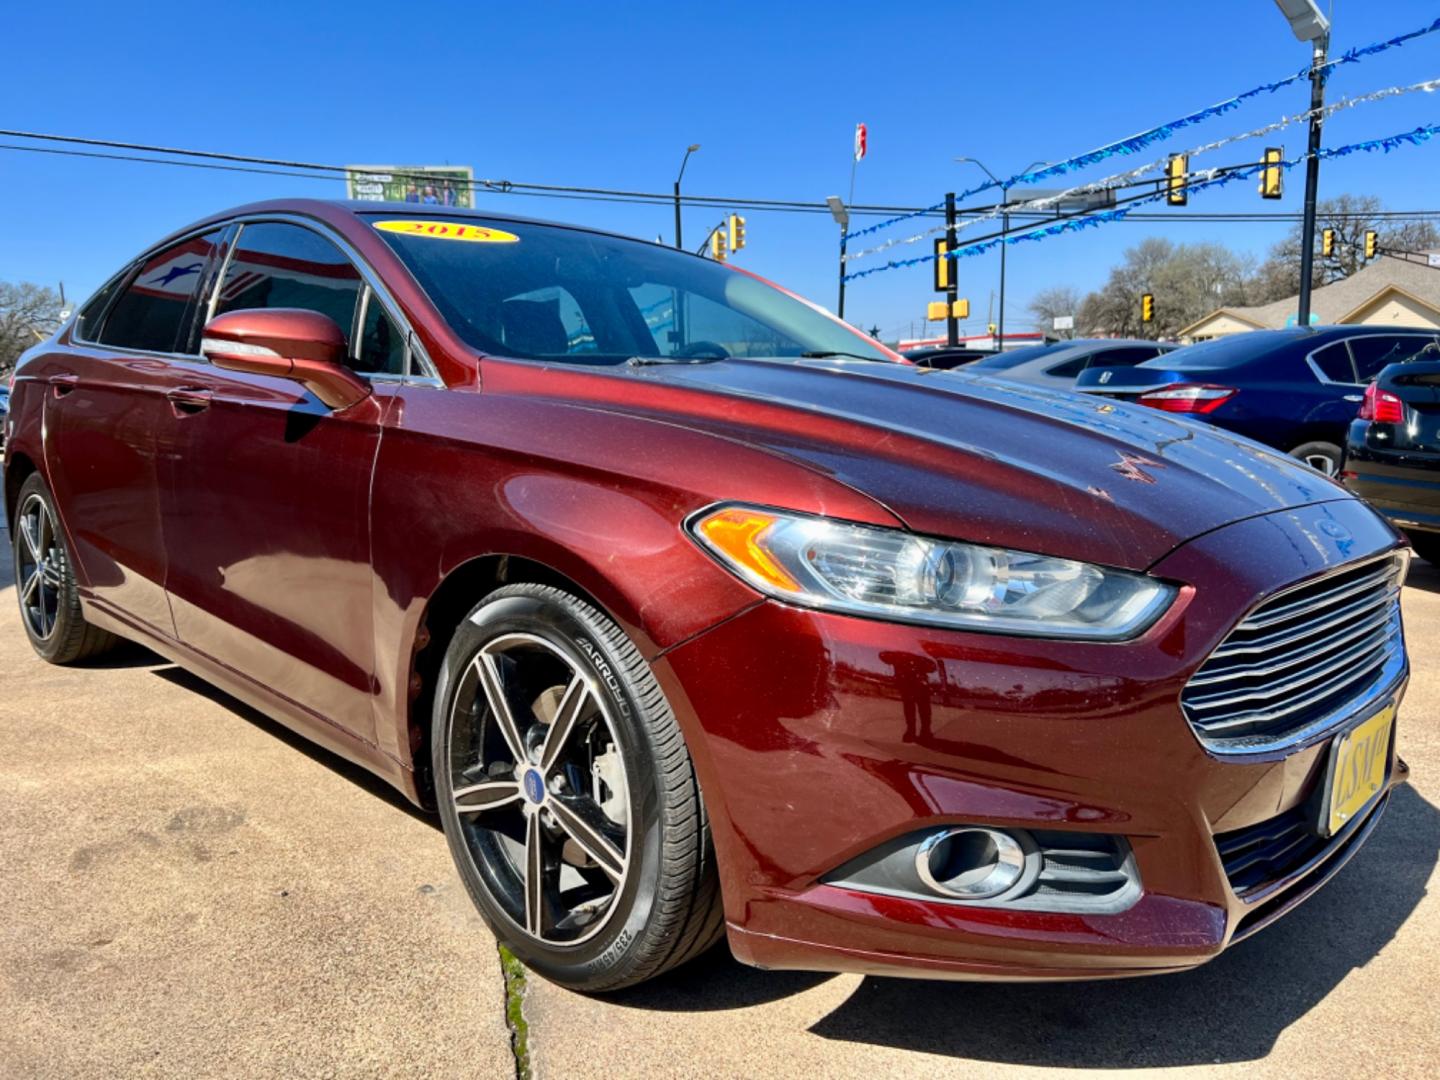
[[449, 230]]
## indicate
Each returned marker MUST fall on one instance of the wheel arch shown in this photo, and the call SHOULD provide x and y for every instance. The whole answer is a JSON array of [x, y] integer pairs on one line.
[[16, 473]]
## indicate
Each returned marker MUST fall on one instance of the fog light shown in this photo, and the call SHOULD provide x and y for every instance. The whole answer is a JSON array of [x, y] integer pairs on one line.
[[971, 863]]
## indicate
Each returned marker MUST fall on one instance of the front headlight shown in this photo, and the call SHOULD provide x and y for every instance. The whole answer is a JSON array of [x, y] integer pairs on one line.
[[890, 574]]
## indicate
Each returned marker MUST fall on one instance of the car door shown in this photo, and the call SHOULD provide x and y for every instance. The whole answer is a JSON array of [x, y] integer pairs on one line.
[[266, 500], [108, 395]]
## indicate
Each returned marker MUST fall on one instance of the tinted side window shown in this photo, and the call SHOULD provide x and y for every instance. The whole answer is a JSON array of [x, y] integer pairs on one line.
[[1068, 369], [1334, 361], [87, 326], [1373, 353], [152, 312], [277, 265], [1124, 357], [381, 349]]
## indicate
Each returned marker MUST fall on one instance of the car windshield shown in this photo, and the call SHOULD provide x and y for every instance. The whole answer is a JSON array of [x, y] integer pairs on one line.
[[547, 292], [1016, 357]]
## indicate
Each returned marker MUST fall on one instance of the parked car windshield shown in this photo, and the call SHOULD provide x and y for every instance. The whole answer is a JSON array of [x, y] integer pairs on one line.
[[545, 292]]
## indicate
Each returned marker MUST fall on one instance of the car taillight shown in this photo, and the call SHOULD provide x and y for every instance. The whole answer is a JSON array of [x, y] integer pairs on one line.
[[1188, 397], [1382, 406]]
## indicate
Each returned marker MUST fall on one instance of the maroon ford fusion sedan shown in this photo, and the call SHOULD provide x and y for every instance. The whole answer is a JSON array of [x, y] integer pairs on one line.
[[695, 613]]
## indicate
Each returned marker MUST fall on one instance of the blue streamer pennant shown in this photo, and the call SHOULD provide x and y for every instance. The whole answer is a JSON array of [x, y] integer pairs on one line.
[[1161, 132], [1419, 135]]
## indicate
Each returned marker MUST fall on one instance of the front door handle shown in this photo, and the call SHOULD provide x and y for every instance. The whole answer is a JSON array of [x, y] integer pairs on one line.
[[188, 400], [63, 383]]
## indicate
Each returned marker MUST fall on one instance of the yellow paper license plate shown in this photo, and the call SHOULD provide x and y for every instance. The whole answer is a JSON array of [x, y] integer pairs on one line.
[[1359, 760]]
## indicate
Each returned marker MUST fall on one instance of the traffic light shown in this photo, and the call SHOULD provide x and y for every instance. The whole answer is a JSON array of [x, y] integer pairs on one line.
[[737, 232], [1270, 176], [1327, 243], [1147, 308], [943, 267], [718, 249], [1372, 244], [1175, 173], [960, 309]]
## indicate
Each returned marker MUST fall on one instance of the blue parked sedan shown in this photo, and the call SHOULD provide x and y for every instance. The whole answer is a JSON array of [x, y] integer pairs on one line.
[[1295, 389]]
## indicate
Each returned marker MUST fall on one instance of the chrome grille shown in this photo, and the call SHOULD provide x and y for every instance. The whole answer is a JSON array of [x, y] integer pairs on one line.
[[1302, 661]]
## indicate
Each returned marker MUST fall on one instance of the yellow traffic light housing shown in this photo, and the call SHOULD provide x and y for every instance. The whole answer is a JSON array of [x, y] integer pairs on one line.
[[1372, 244], [737, 232], [943, 267], [1271, 184], [960, 309], [1175, 175], [1147, 308], [1327, 243], [935, 311], [719, 250]]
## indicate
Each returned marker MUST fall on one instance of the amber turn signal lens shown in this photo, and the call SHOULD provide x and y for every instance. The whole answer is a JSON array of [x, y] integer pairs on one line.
[[735, 533]]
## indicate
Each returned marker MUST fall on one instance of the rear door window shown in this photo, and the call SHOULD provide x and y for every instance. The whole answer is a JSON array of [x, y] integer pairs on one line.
[[1374, 353], [154, 311], [1334, 363]]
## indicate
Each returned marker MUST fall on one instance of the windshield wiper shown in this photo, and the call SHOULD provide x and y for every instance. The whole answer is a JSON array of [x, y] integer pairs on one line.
[[821, 354], [647, 361]]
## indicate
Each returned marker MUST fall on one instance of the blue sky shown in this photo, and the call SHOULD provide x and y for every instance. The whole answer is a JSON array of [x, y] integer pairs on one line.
[[609, 95]]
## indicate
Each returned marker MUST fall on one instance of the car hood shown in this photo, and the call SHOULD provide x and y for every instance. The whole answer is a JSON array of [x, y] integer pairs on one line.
[[976, 458]]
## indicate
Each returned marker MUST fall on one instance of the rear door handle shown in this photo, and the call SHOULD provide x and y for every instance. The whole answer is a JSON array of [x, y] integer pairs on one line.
[[1354, 397], [188, 400], [63, 383]]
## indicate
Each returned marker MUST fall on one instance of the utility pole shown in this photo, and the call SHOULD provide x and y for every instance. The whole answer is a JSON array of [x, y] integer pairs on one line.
[[952, 325], [683, 162], [1312, 178], [841, 215]]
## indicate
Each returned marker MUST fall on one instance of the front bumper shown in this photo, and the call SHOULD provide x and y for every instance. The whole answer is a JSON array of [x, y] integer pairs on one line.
[[820, 737]]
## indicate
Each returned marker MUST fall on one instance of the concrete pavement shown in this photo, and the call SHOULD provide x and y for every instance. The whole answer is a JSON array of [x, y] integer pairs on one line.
[[189, 890]]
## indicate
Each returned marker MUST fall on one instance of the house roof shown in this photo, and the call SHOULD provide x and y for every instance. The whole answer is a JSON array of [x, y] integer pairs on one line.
[[1333, 303]]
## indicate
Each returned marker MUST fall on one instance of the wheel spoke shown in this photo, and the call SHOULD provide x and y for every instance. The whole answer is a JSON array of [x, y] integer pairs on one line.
[[572, 702], [486, 795], [42, 519], [577, 818], [32, 583], [534, 876], [500, 706], [28, 525]]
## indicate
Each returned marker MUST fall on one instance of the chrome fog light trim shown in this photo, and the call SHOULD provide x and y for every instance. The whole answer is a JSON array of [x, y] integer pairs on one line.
[[970, 863]]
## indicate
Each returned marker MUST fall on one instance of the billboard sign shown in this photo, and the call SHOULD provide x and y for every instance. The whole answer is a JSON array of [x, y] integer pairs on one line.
[[432, 185]]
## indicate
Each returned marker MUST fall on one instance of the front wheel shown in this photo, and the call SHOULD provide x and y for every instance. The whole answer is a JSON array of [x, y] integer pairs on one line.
[[45, 582], [1323, 457], [567, 795]]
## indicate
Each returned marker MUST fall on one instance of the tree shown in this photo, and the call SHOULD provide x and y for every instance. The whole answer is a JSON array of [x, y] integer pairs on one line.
[[1188, 281], [1351, 216], [1048, 304], [28, 314]]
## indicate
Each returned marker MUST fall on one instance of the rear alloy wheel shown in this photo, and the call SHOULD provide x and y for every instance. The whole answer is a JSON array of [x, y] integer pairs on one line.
[[1323, 457], [45, 582], [567, 795]]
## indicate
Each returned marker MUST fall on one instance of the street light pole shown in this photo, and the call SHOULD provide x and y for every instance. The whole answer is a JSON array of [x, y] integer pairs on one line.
[[841, 215], [689, 150], [1004, 232], [1312, 179], [1308, 23]]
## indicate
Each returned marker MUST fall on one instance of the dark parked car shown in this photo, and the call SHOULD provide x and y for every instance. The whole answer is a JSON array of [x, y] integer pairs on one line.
[[944, 357], [696, 614], [1393, 453], [1056, 365], [1296, 389], [4, 412]]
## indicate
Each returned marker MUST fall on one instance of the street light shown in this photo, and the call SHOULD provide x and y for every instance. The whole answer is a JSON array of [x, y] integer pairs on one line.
[[1005, 229], [1309, 24], [688, 151], [842, 218]]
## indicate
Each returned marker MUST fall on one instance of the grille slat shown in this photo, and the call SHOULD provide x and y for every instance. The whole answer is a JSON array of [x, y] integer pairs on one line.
[[1300, 659]]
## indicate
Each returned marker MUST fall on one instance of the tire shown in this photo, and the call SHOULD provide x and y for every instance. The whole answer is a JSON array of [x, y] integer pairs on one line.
[[1427, 546], [45, 582], [1323, 457], [609, 820]]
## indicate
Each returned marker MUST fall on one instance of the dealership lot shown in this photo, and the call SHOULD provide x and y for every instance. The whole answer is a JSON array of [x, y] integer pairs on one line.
[[190, 890]]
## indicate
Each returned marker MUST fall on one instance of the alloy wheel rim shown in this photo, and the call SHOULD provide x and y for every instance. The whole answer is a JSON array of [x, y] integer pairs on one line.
[[39, 567], [1323, 463], [538, 784]]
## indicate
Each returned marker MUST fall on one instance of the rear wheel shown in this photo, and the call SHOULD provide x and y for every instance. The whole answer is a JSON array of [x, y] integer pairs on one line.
[[45, 582], [1323, 457], [1427, 546], [567, 795]]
